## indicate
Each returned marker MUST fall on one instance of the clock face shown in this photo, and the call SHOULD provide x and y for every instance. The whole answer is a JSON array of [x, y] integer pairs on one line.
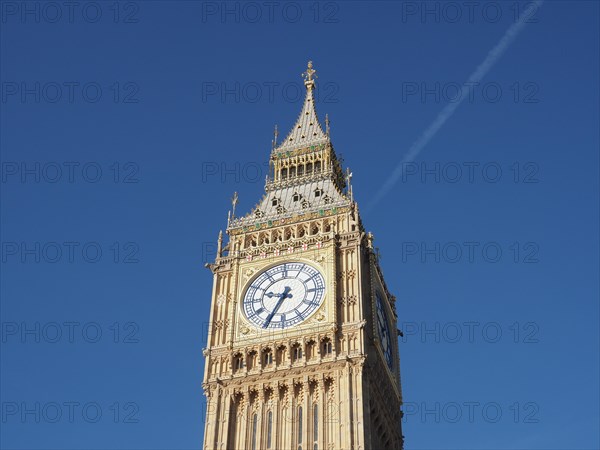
[[284, 295], [384, 330]]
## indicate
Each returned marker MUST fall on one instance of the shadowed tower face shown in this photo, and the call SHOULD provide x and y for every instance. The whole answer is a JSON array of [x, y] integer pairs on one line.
[[302, 343]]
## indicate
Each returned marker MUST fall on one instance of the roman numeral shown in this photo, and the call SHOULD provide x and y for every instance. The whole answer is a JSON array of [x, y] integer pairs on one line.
[[300, 270], [318, 288]]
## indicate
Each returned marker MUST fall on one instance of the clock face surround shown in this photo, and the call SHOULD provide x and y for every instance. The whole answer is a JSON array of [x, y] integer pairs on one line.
[[383, 330], [284, 295]]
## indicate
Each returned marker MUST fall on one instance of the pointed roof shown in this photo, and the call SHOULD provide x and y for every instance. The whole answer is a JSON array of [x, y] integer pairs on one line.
[[306, 192], [307, 130]]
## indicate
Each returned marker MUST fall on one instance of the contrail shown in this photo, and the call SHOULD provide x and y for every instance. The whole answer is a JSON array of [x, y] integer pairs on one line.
[[492, 57]]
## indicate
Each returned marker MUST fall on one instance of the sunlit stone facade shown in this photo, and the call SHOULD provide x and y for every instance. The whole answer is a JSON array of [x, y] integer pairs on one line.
[[302, 343]]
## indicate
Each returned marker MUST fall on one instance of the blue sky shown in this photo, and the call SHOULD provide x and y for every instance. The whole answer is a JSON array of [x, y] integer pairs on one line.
[[125, 132]]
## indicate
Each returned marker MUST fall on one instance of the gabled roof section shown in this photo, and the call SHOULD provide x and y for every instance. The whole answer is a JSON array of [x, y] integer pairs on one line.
[[307, 130]]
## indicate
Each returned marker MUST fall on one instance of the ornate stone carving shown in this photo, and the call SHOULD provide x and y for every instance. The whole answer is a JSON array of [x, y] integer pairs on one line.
[[314, 218]]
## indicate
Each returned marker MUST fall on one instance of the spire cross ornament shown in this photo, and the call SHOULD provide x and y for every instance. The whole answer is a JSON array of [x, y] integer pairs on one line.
[[309, 74]]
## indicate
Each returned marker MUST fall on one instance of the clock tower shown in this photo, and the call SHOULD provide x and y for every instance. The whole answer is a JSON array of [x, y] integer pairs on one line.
[[302, 346]]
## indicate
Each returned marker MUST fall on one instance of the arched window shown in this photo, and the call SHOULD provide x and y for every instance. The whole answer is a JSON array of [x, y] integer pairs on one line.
[[238, 362], [251, 360], [326, 347], [269, 429], [297, 353], [299, 439], [254, 426], [268, 358], [311, 350]]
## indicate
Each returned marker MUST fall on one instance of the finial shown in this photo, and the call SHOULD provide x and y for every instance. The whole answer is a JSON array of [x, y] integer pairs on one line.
[[275, 135], [348, 179], [370, 240], [220, 244], [327, 124], [234, 202], [309, 74]]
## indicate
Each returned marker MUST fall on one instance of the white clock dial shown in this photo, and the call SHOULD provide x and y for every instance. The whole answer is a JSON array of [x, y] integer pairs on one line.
[[284, 295]]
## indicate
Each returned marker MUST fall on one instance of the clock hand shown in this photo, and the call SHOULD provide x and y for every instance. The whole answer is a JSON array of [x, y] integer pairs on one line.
[[282, 297]]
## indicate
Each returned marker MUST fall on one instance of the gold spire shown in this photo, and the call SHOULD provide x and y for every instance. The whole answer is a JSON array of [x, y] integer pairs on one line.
[[307, 130]]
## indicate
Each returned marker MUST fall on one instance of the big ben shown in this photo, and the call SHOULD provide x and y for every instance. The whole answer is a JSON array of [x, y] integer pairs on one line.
[[302, 341]]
